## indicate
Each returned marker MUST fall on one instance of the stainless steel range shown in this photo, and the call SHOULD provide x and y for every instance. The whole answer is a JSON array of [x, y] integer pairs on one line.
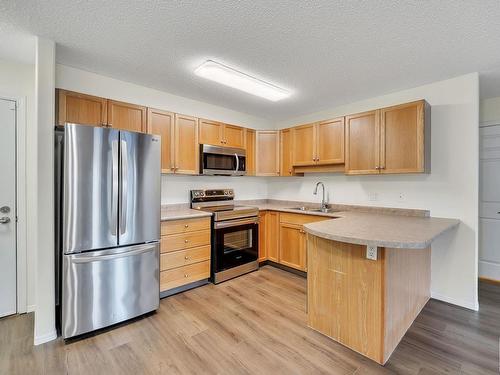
[[235, 233]]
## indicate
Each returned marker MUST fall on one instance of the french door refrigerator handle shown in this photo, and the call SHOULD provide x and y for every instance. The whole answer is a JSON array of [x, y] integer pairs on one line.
[[114, 188], [124, 183]]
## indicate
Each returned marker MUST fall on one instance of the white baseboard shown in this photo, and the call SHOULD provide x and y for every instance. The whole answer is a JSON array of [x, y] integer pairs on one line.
[[42, 339], [30, 308], [462, 303], [489, 270]]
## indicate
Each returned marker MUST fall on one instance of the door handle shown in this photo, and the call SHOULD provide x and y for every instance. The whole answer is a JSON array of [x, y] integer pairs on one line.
[[4, 220], [124, 187]]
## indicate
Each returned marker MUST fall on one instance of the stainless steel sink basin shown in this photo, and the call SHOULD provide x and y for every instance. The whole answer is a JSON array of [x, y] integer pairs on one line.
[[308, 209]]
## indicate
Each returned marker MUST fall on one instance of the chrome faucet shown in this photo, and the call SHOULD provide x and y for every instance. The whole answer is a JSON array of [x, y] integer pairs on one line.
[[324, 207]]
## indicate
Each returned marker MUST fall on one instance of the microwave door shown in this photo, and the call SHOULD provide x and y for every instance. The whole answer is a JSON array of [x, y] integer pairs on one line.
[[140, 186], [89, 188]]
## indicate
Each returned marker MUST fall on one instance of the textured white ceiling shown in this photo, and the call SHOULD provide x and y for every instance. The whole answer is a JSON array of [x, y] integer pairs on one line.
[[327, 52]]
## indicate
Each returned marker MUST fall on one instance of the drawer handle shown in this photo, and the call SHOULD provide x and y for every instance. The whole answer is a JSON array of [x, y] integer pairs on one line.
[[186, 257], [186, 275], [186, 241], [186, 225]]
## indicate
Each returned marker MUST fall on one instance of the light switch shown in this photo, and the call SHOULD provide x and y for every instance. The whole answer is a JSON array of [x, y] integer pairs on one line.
[[371, 252]]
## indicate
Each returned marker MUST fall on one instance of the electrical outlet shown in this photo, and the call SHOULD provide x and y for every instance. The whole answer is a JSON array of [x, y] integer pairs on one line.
[[401, 197], [372, 196], [371, 252]]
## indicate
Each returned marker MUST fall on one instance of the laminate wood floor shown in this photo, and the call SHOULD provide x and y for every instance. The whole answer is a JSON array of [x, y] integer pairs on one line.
[[256, 324]]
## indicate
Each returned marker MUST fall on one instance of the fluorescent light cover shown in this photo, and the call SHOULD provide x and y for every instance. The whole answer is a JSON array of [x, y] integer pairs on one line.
[[230, 77]]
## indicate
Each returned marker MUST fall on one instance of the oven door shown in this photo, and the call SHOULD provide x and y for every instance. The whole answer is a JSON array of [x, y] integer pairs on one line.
[[236, 243], [224, 161]]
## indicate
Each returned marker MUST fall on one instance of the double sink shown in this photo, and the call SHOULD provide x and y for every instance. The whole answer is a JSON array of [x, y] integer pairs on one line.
[[320, 210]]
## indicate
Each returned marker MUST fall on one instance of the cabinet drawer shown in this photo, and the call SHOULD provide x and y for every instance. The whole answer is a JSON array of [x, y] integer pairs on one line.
[[184, 241], [184, 275], [184, 257], [185, 225], [300, 218]]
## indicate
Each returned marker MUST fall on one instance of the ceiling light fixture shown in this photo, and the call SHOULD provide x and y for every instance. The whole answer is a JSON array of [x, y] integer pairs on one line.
[[233, 78]]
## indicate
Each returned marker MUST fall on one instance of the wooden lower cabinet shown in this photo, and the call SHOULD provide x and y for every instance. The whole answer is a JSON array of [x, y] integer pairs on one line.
[[262, 236], [272, 235], [184, 252], [367, 305]]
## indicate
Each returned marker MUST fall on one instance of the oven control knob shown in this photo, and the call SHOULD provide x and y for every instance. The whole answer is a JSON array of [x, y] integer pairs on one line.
[[225, 192], [202, 194], [196, 193]]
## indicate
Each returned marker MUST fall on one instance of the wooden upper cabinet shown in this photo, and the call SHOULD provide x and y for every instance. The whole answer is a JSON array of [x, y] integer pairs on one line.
[[126, 116], [402, 138], [234, 136], [330, 141], [362, 139], [187, 150], [210, 132], [303, 145], [250, 148], [286, 168], [267, 152], [162, 123], [216, 133], [73, 107]]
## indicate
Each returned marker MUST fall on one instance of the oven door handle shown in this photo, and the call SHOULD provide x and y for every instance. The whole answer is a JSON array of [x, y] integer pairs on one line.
[[235, 223], [237, 163]]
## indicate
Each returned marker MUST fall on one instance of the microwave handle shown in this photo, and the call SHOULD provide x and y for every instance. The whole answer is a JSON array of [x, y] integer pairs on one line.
[[237, 163]]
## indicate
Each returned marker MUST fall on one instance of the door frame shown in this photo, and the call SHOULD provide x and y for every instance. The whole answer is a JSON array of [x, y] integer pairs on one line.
[[21, 203]]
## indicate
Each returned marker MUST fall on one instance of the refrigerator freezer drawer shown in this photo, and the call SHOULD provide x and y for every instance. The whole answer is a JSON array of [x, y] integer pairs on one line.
[[101, 288]]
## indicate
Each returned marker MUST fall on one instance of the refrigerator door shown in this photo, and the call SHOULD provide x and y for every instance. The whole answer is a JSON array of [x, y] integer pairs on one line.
[[90, 188], [105, 287], [140, 174]]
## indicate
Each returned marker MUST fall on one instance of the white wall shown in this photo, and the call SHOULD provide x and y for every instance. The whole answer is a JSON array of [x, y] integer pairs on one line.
[[489, 112], [17, 81], [45, 329], [175, 189], [451, 190]]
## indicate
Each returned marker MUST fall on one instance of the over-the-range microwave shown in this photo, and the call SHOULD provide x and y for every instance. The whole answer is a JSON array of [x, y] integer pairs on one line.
[[222, 161]]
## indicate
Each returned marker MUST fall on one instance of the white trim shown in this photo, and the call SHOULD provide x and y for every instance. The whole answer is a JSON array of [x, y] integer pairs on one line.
[[49, 336], [483, 124], [30, 308], [21, 230], [472, 305]]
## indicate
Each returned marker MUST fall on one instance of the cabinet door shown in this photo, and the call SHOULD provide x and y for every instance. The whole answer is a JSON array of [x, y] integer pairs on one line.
[[267, 153], [162, 123], [250, 158], [330, 141], [187, 150], [126, 116], [303, 148], [77, 108], [262, 236], [286, 168], [210, 132], [234, 136], [402, 138], [362, 143], [272, 235], [292, 247]]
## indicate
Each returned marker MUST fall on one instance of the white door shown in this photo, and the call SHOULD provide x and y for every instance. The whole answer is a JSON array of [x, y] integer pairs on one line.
[[8, 293], [489, 202]]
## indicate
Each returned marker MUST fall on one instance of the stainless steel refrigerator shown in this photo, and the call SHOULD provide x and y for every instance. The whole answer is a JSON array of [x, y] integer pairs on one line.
[[107, 226]]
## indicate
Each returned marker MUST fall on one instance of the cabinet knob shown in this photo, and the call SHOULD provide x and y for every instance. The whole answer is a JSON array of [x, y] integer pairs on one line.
[[186, 225], [186, 257], [186, 241], [186, 275]]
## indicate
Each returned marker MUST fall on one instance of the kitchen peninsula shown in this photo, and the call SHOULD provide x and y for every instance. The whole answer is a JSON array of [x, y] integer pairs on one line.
[[369, 277]]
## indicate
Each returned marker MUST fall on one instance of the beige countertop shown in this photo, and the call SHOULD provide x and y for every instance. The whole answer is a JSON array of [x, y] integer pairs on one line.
[[177, 212], [394, 231]]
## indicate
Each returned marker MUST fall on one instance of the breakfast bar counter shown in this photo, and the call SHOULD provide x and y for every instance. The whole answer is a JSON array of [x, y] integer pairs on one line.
[[368, 277]]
